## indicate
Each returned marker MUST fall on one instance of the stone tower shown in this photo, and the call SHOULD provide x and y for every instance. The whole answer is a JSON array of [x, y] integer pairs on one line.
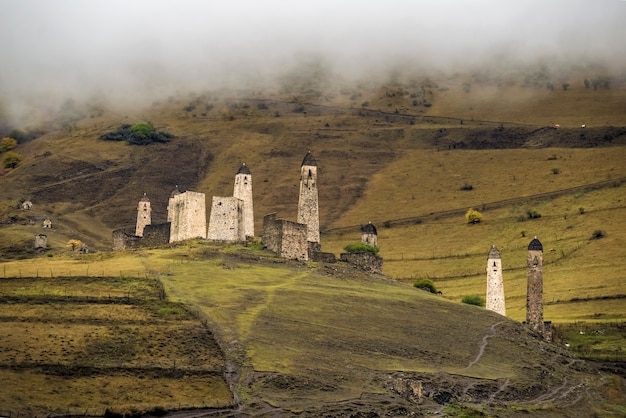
[[495, 284], [243, 191], [369, 235], [186, 213], [534, 295], [308, 207], [144, 215]]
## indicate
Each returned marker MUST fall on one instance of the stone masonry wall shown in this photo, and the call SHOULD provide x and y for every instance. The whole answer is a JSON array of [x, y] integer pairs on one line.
[[153, 236], [187, 213], [365, 261], [225, 222], [285, 238]]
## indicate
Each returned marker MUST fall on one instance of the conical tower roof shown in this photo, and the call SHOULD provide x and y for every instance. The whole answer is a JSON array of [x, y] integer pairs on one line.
[[243, 169], [144, 198], [369, 229], [493, 253], [309, 159], [175, 191], [535, 245]]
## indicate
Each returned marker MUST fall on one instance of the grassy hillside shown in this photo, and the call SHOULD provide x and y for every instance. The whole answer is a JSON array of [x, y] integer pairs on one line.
[[85, 345], [302, 340], [410, 158]]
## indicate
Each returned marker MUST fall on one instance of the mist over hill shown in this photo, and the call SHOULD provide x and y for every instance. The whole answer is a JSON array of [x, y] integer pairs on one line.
[[129, 54]]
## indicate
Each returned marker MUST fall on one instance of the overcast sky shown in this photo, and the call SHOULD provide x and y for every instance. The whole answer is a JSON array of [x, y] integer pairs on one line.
[[50, 47]]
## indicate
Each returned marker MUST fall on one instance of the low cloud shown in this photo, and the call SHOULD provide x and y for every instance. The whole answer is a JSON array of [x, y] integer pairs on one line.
[[52, 50]]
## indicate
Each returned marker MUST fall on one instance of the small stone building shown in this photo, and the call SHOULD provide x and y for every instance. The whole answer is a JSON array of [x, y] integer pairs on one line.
[[285, 238], [41, 242], [47, 223], [369, 235]]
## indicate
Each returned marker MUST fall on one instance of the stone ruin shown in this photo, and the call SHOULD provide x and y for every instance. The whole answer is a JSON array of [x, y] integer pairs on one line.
[[232, 219], [47, 223], [299, 240], [41, 242]]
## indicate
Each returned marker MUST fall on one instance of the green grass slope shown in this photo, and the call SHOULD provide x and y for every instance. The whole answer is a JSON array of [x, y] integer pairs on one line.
[[309, 339]]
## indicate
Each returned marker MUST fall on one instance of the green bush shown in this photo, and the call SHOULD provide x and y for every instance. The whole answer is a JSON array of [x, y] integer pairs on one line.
[[425, 284], [361, 247], [141, 133], [476, 300]]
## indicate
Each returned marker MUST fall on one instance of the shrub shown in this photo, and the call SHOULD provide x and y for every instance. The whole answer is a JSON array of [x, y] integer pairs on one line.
[[556, 170], [141, 133], [425, 284], [467, 187], [581, 210], [7, 144], [11, 159], [476, 300], [597, 234], [365, 104], [533, 214], [473, 216], [361, 247], [74, 244]]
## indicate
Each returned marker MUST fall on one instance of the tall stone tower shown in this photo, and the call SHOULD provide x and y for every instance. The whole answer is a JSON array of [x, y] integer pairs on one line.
[[243, 191], [144, 215], [534, 295], [495, 284], [308, 207]]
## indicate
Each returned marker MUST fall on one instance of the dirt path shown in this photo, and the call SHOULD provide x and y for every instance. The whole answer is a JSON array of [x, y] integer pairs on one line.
[[483, 344]]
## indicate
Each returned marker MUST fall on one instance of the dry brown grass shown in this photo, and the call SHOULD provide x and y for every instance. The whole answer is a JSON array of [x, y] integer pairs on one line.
[[83, 345]]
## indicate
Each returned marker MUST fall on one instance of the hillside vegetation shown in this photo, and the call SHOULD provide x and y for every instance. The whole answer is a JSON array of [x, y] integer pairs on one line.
[[411, 158], [298, 339]]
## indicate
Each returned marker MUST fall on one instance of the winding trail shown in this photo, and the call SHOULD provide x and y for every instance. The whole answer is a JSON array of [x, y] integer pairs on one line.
[[483, 344]]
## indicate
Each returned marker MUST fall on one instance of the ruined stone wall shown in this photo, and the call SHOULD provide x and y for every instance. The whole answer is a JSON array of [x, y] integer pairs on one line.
[[243, 191], [153, 236], [365, 261], [187, 213], [156, 235], [41, 241], [495, 286], [225, 222], [271, 233], [124, 240], [308, 206], [285, 238]]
